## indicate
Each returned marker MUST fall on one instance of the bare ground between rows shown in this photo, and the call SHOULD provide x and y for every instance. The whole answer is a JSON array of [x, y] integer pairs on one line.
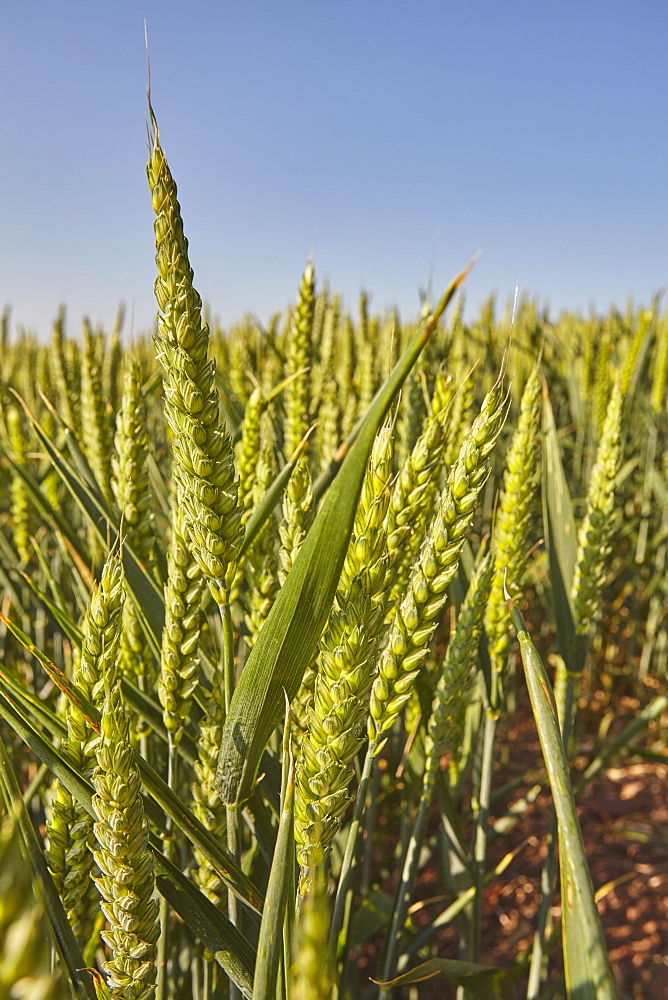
[[624, 819]]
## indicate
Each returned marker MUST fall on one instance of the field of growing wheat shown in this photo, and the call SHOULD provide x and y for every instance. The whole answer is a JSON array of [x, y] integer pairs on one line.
[[315, 636]]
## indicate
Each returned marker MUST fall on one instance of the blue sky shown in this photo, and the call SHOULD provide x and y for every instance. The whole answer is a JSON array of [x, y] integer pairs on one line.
[[391, 139]]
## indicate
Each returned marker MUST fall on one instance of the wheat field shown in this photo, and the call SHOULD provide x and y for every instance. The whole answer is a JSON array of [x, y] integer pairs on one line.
[[271, 599]]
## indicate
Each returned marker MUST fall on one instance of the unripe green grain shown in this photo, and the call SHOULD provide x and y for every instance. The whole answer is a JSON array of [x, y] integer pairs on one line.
[[45, 382], [207, 804], [299, 355], [247, 449], [348, 651], [239, 363], [112, 362], [95, 418], [328, 428], [312, 974], [246, 460], [320, 306], [417, 615], [344, 359], [444, 731], [72, 367], [102, 629], [126, 881], [642, 325], [270, 361], [179, 659], [415, 490], [70, 827], [132, 491], [411, 415], [322, 367], [602, 386], [367, 553], [513, 519], [20, 506], [203, 459], [297, 511], [660, 365], [130, 481], [460, 415], [596, 529], [446, 723], [324, 769], [365, 376], [262, 558]]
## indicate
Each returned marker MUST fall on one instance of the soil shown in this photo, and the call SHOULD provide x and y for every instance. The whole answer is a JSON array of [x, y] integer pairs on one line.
[[624, 819]]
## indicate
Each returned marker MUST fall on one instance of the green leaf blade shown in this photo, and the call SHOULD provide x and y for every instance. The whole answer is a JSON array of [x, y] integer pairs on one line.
[[560, 531], [281, 881], [588, 972], [293, 627], [485, 982]]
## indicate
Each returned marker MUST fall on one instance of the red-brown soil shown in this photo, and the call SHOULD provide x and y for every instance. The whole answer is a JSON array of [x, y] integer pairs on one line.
[[624, 819]]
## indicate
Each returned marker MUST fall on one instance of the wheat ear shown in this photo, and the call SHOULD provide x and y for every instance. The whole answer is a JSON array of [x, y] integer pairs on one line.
[[19, 496], [312, 975], [179, 659], [262, 559], [596, 529], [513, 519], [69, 829], [203, 458], [95, 425], [126, 881], [299, 355], [348, 652], [415, 490], [444, 730], [132, 490], [417, 615]]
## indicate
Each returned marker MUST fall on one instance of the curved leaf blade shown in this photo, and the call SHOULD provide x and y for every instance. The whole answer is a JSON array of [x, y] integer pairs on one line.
[[288, 639], [485, 982], [588, 972], [560, 531]]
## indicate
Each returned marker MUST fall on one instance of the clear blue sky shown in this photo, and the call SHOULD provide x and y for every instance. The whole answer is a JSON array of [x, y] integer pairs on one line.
[[393, 139]]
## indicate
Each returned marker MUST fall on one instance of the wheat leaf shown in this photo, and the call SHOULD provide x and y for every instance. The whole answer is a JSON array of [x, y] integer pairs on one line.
[[288, 639], [588, 973]]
